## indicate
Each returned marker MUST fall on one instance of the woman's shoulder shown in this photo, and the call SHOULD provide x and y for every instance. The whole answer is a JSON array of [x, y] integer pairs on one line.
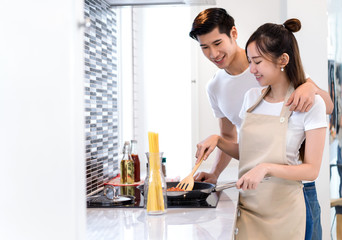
[[251, 96], [317, 112], [319, 104], [318, 108], [254, 93], [319, 100]]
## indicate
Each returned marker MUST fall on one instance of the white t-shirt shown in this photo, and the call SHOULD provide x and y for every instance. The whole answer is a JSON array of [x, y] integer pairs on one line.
[[298, 122], [226, 92]]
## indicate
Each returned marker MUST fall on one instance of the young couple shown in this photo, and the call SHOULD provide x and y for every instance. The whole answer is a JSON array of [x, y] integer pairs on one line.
[[262, 95]]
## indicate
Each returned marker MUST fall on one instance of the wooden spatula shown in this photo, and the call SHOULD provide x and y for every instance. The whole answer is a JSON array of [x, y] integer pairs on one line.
[[187, 184]]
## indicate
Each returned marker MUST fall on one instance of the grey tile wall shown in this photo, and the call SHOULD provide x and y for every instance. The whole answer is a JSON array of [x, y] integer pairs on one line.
[[101, 94]]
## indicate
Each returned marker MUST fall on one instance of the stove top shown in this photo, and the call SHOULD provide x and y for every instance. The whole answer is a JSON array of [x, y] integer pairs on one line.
[[131, 197]]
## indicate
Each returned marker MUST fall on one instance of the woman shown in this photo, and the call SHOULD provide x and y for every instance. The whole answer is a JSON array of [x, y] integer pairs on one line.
[[271, 205]]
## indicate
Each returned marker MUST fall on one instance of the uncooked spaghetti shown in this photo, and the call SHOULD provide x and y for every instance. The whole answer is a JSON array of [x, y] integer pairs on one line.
[[155, 198]]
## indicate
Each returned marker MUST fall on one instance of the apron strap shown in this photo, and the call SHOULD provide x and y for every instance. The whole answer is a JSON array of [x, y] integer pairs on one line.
[[259, 99], [285, 112]]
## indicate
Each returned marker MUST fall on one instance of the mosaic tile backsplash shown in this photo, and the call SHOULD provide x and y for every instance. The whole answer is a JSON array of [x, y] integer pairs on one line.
[[101, 94]]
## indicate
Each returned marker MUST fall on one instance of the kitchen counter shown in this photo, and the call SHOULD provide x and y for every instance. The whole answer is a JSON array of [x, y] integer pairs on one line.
[[177, 223]]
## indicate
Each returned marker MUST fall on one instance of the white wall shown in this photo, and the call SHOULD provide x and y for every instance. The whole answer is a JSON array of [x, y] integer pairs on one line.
[[164, 78], [248, 15], [125, 92], [42, 173]]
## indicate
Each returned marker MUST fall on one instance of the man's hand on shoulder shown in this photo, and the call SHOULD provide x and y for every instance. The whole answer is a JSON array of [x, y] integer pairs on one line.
[[303, 98]]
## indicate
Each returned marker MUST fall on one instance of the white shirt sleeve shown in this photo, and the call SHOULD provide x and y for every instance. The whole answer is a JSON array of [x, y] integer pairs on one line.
[[213, 101], [316, 117], [250, 98], [214, 106], [245, 104]]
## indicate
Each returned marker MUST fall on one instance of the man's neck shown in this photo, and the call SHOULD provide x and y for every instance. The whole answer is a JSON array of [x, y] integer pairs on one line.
[[239, 63]]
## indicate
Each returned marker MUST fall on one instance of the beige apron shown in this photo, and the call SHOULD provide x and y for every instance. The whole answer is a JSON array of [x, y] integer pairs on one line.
[[276, 209]]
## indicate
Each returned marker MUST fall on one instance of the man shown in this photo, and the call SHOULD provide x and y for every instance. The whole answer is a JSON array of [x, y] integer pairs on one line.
[[216, 33]]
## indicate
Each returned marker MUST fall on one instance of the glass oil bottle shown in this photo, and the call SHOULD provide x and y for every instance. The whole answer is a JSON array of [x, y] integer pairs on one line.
[[126, 166]]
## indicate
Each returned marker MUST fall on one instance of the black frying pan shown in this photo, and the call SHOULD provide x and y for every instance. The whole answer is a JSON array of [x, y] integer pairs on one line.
[[200, 192]]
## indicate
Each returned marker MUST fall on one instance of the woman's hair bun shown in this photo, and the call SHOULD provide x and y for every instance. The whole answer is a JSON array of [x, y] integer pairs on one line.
[[292, 25]]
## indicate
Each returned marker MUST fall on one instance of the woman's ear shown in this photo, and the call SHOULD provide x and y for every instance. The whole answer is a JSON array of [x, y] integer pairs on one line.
[[284, 59]]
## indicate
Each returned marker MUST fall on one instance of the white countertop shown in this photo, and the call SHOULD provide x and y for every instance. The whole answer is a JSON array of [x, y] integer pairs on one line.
[[177, 223]]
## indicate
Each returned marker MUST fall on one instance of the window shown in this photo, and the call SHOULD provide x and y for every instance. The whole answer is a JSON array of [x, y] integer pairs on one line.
[[156, 82]]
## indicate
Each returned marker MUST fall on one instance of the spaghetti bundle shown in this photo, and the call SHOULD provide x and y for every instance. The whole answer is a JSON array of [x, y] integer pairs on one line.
[[155, 198], [153, 142]]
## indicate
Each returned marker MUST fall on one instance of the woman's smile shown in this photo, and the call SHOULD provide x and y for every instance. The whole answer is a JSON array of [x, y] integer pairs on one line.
[[258, 77]]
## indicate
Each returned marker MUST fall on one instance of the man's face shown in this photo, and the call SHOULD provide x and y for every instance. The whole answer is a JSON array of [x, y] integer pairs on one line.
[[218, 47]]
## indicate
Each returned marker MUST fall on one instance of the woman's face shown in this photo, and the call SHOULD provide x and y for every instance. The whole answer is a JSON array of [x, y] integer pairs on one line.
[[265, 71]]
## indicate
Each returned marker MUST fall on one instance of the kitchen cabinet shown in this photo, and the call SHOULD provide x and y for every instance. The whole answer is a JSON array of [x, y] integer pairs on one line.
[[177, 223]]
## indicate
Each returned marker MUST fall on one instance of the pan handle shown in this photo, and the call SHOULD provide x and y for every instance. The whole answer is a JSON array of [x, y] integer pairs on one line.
[[224, 186]]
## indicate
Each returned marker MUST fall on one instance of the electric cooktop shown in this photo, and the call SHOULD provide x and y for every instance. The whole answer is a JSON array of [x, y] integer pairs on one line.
[[131, 197]]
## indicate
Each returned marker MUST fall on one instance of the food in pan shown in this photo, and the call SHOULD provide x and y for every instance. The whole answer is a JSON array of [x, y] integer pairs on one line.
[[174, 189]]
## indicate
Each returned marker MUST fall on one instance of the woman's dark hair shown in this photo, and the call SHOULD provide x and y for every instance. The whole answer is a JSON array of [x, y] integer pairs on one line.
[[209, 19], [272, 40]]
